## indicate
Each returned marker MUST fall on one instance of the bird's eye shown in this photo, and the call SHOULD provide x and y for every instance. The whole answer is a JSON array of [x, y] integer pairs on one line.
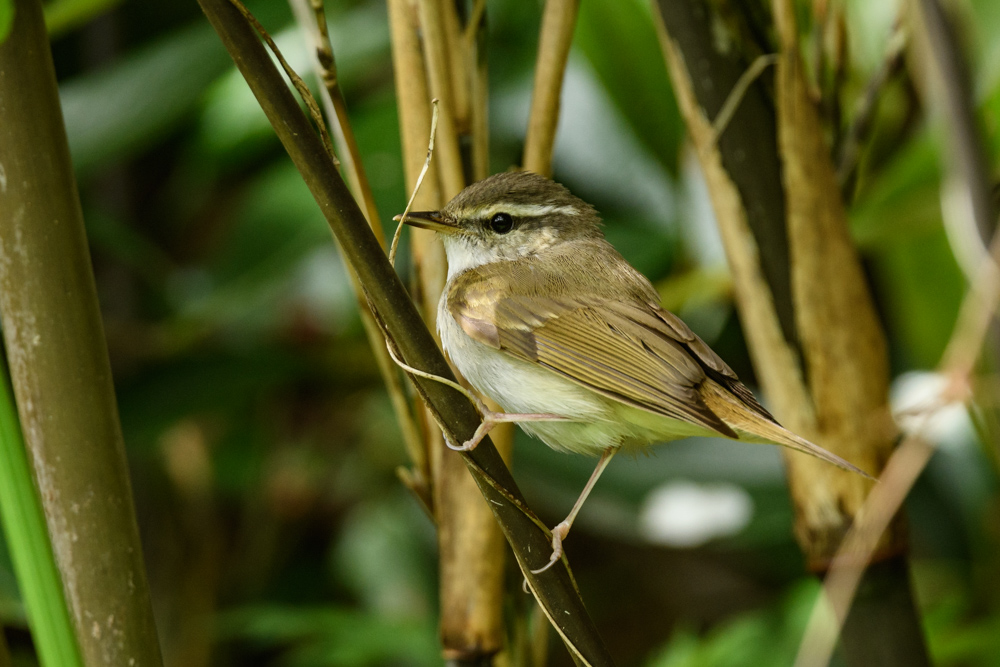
[[501, 223]]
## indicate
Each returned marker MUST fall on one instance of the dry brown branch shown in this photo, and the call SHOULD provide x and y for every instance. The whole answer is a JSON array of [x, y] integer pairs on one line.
[[311, 18], [554, 41], [813, 335], [949, 85]]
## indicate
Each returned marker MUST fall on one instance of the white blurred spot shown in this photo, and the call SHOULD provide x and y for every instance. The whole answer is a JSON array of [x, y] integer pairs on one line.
[[686, 514], [914, 393]]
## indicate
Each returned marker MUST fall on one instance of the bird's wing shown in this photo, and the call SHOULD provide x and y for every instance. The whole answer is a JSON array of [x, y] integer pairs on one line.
[[630, 351]]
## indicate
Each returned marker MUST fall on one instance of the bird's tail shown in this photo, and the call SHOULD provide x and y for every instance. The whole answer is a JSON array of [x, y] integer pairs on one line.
[[752, 426]]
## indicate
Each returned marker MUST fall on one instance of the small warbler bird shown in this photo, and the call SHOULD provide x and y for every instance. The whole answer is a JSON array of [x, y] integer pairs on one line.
[[542, 314]]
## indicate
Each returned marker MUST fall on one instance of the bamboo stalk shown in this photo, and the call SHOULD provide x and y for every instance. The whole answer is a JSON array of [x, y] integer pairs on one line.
[[59, 362], [810, 324], [555, 39], [470, 544], [312, 20], [435, 46], [28, 542], [474, 45], [404, 326], [458, 66], [947, 87]]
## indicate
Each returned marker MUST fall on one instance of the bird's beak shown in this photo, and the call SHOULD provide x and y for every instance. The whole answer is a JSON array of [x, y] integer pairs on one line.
[[432, 220]]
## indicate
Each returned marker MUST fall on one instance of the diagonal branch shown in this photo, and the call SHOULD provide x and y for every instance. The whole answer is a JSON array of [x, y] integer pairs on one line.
[[555, 589]]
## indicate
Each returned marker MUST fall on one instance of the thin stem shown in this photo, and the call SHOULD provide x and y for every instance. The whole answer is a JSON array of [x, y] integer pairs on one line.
[[312, 20], [416, 187], [555, 39], [297, 82], [28, 542], [732, 102]]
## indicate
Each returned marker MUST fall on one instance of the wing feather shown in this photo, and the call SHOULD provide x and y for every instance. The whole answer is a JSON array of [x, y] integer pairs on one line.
[[628, 351]]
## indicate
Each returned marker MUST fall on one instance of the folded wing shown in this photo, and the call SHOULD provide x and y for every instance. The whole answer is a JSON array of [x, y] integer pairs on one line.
[[632, 351]]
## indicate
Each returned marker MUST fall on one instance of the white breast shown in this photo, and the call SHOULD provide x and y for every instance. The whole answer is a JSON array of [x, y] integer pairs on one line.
[[519, 386]]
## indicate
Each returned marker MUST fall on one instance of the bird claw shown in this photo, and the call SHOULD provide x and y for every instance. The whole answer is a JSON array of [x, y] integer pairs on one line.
[[492, 419], [559, 533]]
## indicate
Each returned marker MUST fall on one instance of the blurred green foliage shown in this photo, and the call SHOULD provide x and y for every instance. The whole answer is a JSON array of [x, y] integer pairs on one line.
[[262, 446], [6, 18]]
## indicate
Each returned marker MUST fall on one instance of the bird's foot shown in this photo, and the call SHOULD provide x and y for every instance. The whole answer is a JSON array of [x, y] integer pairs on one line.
[[559, 534], [492, 418]]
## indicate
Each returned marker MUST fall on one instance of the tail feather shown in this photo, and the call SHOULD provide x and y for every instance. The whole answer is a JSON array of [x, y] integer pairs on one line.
[[746, 421]]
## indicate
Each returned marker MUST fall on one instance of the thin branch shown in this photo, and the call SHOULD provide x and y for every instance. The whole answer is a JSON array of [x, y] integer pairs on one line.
[[404, 326], [312, 21], [416, 186], [297, 82], [732, 102], [862, 121], [556, 36], [311, 18]]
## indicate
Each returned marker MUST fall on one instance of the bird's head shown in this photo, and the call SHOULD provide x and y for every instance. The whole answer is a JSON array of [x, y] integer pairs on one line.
[[508, 216]]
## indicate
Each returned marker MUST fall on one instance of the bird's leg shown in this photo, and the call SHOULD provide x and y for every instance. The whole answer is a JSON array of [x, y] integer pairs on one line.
[[561, 530], [490, 417]]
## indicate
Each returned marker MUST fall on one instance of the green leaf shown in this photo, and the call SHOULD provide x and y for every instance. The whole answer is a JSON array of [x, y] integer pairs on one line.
[[6, 18], [62, 16], [28, 540], [619, 40], [768, 638], [114, 113]]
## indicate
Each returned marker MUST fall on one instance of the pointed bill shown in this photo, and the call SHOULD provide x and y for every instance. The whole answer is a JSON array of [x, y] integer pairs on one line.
[[432, 220]]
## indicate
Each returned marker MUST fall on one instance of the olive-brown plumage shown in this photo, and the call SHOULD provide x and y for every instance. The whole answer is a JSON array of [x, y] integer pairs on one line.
[[544, 316]]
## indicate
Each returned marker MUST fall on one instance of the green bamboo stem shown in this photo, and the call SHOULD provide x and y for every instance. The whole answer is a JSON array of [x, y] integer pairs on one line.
[[28, 543], [402, 322], [59, 362]]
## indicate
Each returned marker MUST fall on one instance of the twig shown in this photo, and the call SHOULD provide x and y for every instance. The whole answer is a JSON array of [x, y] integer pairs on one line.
[[736, 95], [416, 188], [861, 123], [312, 20], [556, 36], [311, 17], [300, 85]]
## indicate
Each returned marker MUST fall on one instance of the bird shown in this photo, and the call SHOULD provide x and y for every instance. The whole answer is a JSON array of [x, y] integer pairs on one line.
[[541, 314]]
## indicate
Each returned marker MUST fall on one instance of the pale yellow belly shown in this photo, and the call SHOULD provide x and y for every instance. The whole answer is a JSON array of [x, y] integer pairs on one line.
[[595, 422]]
